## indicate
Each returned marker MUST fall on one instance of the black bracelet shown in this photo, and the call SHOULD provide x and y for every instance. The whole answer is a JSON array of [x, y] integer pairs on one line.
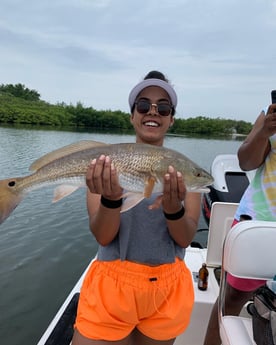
[[175, 216], [111, 203]]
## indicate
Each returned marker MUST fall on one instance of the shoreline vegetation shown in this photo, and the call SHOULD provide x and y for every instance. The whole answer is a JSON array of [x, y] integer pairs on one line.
[[22, 106]]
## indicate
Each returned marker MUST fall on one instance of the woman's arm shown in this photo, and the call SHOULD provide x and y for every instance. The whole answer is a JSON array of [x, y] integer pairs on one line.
[[102, 179], [183, 229], [256, 146]]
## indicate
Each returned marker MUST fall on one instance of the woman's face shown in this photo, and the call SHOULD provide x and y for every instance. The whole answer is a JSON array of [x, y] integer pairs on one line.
[[151, 127]]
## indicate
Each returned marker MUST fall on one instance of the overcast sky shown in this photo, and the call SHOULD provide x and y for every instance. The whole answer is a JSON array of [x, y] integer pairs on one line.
[[220, 55]]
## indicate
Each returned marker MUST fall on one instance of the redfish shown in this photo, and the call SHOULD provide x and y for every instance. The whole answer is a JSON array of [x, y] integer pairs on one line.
[[140, 167]]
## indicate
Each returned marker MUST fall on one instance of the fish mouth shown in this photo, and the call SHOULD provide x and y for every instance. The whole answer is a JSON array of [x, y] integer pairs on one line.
[[151, 123]]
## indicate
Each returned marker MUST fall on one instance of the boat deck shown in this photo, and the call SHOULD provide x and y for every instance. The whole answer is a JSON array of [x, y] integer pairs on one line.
[[220, 223], [204, 300]]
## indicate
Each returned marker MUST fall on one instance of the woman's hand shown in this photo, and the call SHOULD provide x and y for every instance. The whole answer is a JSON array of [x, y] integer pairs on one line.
[[256, 146], [269, 124], [174, 192], [102, 178]]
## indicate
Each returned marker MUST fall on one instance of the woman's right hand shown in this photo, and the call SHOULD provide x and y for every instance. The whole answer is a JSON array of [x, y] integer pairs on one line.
[[269, 124], [102, 178], [255, 148]]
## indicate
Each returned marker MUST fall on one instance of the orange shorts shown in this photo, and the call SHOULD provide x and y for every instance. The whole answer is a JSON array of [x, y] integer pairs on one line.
[[118, 296]]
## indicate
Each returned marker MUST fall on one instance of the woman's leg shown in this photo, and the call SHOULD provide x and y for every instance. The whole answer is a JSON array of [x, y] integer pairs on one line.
[[79, 339], [137, 338]]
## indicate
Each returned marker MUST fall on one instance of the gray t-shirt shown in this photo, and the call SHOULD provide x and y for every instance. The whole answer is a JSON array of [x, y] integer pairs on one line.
[[143, 237]]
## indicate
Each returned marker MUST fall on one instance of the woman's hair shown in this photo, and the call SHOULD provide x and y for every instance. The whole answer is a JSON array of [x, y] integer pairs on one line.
[[156, 75]]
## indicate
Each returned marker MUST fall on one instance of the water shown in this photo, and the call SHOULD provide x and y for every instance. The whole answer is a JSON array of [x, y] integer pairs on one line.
[[44, 247]]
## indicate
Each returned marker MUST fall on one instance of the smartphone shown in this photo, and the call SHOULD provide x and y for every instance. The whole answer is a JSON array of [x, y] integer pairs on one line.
[[273, 96]]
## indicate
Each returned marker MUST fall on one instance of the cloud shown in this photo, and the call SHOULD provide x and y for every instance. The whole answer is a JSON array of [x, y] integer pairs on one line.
[[220, 56]]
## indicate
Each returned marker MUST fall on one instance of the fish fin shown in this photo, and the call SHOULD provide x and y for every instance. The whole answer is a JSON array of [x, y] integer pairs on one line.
[[63, 151], [62, 191], [131, 200], [9, 197], [149, 185]]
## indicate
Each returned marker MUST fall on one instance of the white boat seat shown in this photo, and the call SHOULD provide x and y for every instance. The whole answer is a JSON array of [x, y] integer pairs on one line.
[[221, 219], [237, 330], [248, 252]]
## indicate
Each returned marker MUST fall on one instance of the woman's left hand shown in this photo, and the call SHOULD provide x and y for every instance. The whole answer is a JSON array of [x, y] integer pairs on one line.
[[174, 192]]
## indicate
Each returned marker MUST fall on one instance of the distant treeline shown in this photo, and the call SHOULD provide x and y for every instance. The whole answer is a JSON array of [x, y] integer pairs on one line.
[[20, 105]]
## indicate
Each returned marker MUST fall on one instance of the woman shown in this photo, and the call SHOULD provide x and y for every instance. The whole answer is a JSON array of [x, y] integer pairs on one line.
[[258, 151], [139, 290]]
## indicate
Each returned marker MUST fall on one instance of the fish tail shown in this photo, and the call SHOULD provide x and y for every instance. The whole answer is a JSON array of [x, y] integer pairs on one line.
[[9, 198]]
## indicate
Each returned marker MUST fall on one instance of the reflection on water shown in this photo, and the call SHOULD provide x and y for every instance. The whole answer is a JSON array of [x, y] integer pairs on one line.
[[44, 247]]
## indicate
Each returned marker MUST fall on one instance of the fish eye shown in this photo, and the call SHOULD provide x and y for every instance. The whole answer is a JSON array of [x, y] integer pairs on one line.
[[11, 183], [197, 173]]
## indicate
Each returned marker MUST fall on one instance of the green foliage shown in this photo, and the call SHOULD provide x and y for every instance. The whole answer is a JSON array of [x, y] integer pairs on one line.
[[20, 91], [20, 105], [209, 126], [15, 110]]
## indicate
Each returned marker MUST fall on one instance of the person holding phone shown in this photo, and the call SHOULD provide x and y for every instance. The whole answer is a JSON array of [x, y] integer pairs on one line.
[[258, 151]]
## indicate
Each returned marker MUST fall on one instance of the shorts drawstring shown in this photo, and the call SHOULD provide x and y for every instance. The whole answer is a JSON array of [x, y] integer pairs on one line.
[[156, 289]]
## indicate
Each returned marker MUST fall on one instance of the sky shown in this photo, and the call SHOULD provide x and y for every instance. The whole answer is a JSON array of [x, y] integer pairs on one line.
[[220, 55]]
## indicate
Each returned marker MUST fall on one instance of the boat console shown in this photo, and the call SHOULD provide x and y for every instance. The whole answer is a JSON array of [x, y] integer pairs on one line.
[[229, 184]]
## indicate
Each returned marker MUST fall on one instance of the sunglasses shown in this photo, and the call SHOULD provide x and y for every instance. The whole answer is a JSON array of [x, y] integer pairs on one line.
[[143, 107]]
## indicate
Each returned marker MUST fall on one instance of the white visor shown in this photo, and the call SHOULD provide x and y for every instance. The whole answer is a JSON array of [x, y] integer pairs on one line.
[[152, 82]]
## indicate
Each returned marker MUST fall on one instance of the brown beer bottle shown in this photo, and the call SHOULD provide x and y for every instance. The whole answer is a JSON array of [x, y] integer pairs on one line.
[[203, 273]]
